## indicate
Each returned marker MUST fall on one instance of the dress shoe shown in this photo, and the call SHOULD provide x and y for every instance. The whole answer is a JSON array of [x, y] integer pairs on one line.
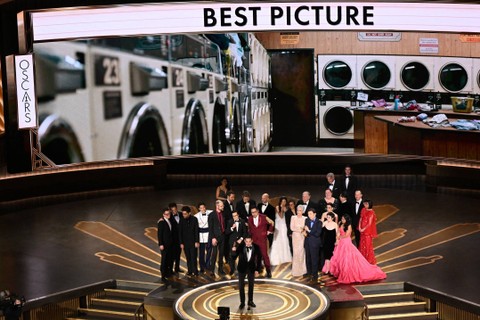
[[164, 280], [242, 305], [269, 274], [251, 304], [305, 275]]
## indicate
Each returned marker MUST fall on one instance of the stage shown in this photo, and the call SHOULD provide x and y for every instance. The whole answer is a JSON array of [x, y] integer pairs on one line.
[[274, 299]]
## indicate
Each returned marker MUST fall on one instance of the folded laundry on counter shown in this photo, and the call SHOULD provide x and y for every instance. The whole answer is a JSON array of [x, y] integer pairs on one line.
[[407, 119], [463, 124], [379, 103], [422, 116], [439, 120]]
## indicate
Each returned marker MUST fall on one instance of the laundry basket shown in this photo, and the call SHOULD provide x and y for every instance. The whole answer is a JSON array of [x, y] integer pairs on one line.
[[462, 104]]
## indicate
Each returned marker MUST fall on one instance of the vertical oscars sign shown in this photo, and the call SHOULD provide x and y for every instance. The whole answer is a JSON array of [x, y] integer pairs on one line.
[[26, 101]]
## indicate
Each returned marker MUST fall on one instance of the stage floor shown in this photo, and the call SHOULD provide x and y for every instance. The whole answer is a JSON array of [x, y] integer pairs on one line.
[[425, 238]]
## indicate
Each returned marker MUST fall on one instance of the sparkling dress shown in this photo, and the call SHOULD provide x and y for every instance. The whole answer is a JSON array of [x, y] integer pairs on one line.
[[366, 239], [299, 266]]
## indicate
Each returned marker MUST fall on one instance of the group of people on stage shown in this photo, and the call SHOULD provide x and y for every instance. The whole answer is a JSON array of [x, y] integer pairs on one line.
[[314, 237]]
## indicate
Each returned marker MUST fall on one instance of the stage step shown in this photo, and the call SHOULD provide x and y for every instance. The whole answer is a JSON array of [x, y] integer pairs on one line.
[[406, 316], [129, 294], [380, 287], [396, 308], [109, 314], [105, 303], [388, 300], [388, 297], [137, 285], [120, 303]]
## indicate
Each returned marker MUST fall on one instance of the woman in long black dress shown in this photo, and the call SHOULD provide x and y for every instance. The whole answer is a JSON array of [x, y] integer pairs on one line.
[[330, 229]]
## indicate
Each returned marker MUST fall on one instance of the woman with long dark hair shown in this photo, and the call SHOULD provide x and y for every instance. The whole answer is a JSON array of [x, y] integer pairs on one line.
[[368, 229], [347, 264]]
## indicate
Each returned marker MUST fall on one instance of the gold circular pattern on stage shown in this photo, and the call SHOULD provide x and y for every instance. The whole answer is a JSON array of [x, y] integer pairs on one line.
[[275, 299]]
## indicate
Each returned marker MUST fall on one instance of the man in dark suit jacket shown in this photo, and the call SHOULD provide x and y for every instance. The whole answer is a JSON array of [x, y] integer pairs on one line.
[[244, 205], [313, 244], [189, 239], [236, 231], [216, 234], [306, 203], [349, 183], [333, 185], [249, 262], [165, 243], [268, 210], [175, 220], [228, 208], [344, 206], [357, 210]]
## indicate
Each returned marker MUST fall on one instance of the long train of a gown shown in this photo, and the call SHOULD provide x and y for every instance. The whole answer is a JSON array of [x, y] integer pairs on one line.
[[349, 266]]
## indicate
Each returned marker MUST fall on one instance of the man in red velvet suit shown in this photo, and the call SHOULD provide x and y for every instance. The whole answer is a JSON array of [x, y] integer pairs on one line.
[[260, 228]]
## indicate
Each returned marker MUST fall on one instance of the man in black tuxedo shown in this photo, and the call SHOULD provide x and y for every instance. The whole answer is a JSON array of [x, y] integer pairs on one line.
[[165, 243], [344, 206], [357, 210], [189, 240], [313, 244], [175, 220], [333, 185], [267, 209], [244, 205], [236, 231], [249, 262], [228, 208], [306, 203], [216, 234], [349, 183]]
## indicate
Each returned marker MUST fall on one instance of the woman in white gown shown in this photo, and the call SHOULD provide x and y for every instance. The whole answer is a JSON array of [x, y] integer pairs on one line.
[[280, 251]]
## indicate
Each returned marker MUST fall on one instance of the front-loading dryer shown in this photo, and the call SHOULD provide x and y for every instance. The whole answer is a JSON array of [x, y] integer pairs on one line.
[[376, 72], [336, 120], [415, 73], [454, 75], [337, 72], [476, 76]]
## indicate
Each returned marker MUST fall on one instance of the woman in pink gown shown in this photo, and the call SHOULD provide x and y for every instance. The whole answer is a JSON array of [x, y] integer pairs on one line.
[[368, 230], [347, 264]]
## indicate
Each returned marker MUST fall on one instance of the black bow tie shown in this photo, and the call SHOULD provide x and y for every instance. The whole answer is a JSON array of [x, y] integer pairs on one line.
[[204, 214], [248, 248]]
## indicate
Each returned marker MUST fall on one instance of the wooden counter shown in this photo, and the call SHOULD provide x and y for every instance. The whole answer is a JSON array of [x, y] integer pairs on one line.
[[418, 138], [371, 135]]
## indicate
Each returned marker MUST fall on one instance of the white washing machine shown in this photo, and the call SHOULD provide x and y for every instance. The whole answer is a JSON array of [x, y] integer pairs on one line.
[[336, 120], [190, 113], [415, 73], [454, 75], [121, 110], [476, 76], [376, 72], [337, 71]]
